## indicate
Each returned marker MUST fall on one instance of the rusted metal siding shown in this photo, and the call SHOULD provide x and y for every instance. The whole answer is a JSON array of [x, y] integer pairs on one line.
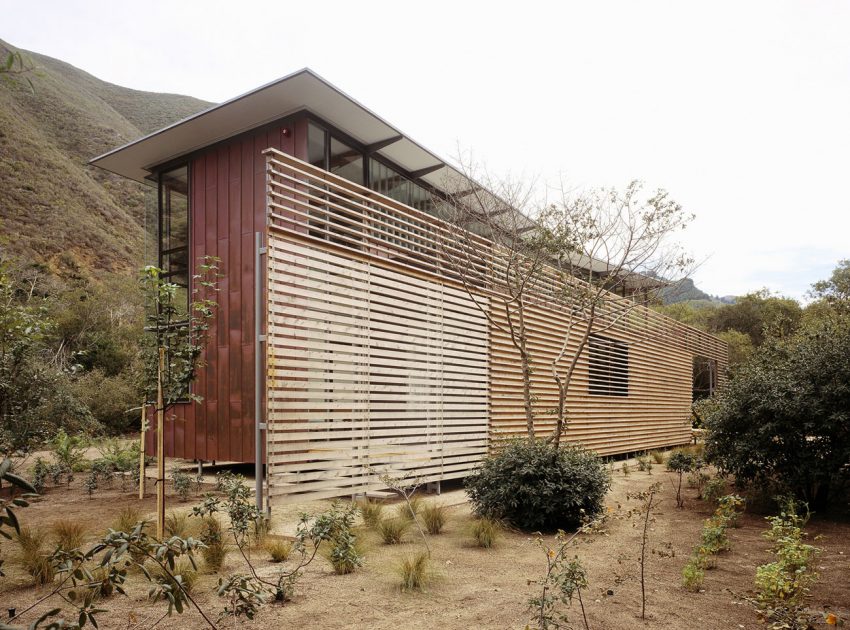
[[228, 205]]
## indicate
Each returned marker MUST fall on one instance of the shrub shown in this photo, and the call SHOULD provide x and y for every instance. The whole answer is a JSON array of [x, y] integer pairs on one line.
[[345, 554], [730, 508], [713, 537], [680, 463], [183, 571], [39, 473], [262, 527], [644, 463], [536, 486], [215, 551], [414, 572], [693, 575], [782, 417], [434, 516], [714, 489], [70, 450], [68, 535], [182, 483], [484, 532], [658, 457], [33, 558], [371, 512], [393, 529], [121, 456], [625, 468], [279, 550]]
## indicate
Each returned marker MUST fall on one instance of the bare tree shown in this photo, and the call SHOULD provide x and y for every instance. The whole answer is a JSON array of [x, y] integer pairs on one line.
[[611, 258], [599, 258]]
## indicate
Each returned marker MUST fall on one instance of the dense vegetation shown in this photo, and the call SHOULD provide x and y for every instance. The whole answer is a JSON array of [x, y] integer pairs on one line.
[[784, 420]]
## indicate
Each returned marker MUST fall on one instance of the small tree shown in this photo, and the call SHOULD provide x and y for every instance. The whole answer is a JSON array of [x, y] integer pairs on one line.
[[174, 352], [680, 463]]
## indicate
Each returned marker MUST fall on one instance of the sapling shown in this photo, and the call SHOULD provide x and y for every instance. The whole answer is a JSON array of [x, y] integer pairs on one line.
[[648, 502]]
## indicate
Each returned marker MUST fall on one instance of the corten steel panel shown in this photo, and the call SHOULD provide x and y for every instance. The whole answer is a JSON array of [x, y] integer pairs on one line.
[[228, 205]]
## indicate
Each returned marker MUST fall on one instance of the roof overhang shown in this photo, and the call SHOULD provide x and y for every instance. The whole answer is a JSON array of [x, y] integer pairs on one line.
[[301, 90]]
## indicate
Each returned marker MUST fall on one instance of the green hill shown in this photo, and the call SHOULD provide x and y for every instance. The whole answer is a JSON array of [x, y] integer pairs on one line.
[[55, 210]]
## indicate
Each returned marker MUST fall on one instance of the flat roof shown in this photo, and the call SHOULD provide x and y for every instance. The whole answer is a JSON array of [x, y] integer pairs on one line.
[[301, 90]]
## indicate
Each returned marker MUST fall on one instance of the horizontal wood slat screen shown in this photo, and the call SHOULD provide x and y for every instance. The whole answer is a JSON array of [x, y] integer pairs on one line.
[[378, 355], [370, 371]]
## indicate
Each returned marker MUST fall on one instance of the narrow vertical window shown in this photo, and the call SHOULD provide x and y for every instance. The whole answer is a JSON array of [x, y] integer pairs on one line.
[[608, 368], [174, 231], [705, 377]]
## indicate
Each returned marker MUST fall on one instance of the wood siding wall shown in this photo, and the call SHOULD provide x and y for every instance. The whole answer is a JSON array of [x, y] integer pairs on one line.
[[227, 205]]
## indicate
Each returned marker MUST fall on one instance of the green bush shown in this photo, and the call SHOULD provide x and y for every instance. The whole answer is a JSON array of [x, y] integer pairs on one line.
[[693, 575], [714, 489], [783, 418], [535, 486]]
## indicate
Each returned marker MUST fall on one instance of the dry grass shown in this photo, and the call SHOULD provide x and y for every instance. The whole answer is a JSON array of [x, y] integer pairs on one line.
[[414, 572], [403, 509], [434, 516], [394, 529], [127, 519], [177, 524], [371, 512], [68, 535], [183, 569], [484, 532], [33, 557], [215, 551], [279, 550], [658, 457]]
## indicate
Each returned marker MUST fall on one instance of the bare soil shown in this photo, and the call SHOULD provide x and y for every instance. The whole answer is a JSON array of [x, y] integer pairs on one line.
[[472, 587]]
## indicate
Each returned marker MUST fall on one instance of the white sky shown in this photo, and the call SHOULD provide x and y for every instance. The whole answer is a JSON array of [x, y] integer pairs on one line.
[[740, 109]]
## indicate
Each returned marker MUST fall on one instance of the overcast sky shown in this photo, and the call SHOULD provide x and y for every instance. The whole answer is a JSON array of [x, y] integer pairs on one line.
[[740, 109]]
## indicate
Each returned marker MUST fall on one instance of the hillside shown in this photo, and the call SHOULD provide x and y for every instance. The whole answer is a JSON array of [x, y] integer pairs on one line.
[[55, 209]]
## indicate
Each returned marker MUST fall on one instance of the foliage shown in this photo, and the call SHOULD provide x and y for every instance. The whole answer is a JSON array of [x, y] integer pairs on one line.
[[393, 529], [564, 579], [182, 483], [279, 550], [70, 450], [835, 291], [345, 555], [485, 532], [681, 462], [693, 575], [120, 455], [784, 418], [644, 463], [782, 586], [9, 505], [181, 335], [759, 315], [414, 571], [714, 489], [371, 512], [536, 486], [434, 515]]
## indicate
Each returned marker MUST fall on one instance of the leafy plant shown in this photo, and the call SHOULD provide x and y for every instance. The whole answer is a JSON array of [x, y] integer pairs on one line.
[[714, 489], [121, 456], [434, 516], [91, 483], [644, 463], [681, 462], [182, 483], [414, 571], [535, 486], [70, 450], [625, 468], [393, 529], [693, 575], [485, 532]]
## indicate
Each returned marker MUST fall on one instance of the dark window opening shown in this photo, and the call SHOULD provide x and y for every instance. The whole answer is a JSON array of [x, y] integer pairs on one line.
[[705, 377], [174, 232], [609, 367]]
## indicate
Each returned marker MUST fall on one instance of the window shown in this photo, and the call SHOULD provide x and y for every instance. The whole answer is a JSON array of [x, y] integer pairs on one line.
[[345, 161], [705, 377], [174, 231], [609, 367]]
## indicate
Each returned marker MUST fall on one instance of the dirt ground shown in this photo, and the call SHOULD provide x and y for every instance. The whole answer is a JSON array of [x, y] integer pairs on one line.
[[477, 588]]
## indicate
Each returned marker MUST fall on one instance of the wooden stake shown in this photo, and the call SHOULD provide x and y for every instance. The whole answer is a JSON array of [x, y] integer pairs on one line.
[[160, 449], [142, 453]]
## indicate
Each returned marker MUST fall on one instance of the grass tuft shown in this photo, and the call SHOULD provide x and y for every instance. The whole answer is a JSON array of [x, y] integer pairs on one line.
[[434, 516], [177, 524], [414, 572], [127, 519], [658, 457], [371, 511], [485, 531], [33, 558], [393, 529], [279, 550], [68, 535], [215, 551]]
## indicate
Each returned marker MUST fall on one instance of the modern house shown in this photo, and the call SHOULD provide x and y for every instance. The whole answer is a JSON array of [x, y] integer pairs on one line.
[[343, 348]]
